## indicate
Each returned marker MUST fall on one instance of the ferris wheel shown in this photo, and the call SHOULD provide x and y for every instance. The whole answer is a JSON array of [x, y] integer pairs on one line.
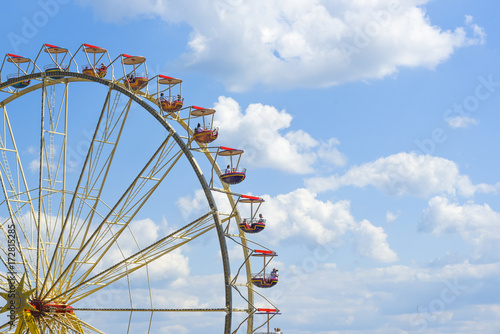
[[88, 154]]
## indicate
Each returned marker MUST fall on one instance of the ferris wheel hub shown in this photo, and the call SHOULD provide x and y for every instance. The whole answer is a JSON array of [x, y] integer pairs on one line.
[[44, 308]]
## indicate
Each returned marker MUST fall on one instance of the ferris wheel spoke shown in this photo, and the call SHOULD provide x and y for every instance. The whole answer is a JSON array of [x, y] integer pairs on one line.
[[153, 310], [88, 329], [118, 218], [8, 259], [40, 192], [17, 197], [5, 326], [4, 285], [90, 182], [53, 162], [44, 324], [68, 323], [52, 176], [95, 175], [8, 256], [193, 230], [95, 247]]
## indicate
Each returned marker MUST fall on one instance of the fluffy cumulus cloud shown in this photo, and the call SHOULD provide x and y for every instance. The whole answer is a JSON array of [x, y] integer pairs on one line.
[[299, 214], [262, 131], [405, 174], [371, 242], [189, 206], [478, 225], [389, 299], [302, 43]]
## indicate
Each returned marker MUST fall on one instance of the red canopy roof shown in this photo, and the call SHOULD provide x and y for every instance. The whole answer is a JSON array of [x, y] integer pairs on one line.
[[268, 310]]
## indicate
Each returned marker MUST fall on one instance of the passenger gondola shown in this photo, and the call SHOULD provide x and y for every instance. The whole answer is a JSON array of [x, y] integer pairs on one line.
[[232, 174]]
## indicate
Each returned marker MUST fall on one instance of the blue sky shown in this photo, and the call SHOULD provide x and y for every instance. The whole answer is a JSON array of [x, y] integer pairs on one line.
[[370, 128]]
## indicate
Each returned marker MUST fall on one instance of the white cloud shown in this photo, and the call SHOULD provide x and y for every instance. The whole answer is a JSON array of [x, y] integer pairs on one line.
[[477, 224], [174, 329], [145, 231], [301, 43], [478, 31], [170, 266], [371, 242], [190, 206], [34, 165], [300, 214], [330, 154], [391, 216], [388, 299], [260, 131], [405, 174], [461, 122]]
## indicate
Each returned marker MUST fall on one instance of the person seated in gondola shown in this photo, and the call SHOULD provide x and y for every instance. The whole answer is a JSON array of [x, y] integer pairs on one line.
[[103, 68], [277, 331], [274, 273], [251, 225], [131, 78], [261, 219], [198, 128], [228, 169], [179, 98], [162, 98]]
